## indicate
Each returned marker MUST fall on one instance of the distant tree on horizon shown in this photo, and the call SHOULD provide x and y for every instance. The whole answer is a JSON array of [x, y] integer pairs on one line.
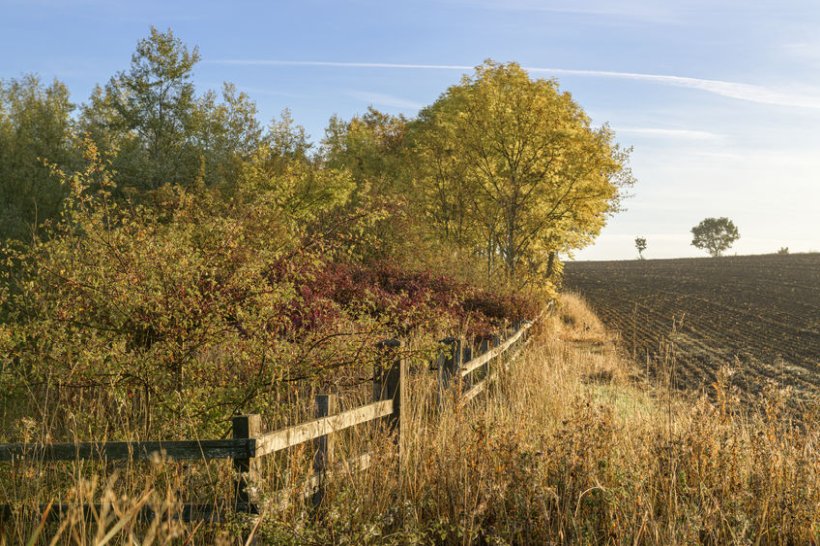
[[640, 244], [715, 235]]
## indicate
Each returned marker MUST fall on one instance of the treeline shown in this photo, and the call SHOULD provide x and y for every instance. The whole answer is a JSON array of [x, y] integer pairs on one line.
[[500, 166], [172, 252]]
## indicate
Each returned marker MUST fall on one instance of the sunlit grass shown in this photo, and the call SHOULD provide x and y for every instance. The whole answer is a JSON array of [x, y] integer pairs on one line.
[[571, 445]]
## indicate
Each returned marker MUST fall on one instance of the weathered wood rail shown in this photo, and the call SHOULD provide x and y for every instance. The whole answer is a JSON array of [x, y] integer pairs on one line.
[[456, 370], [111, 451]]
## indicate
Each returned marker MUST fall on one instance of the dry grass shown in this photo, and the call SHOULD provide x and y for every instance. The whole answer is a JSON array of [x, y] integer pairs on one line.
[[579, 323], [569, 447]]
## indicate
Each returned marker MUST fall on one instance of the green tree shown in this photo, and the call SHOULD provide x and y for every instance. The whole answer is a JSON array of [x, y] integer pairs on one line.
[[301, 193], [517, 162], [224, 135], [185, 310], [35, 131], [288, 140], [444, 191], [714, 235], [372, 148], [144, 117], [155, 129], [640, 244], [282, 169]]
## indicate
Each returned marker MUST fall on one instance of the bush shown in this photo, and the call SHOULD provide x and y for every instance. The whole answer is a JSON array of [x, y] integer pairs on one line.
[[175, 317]]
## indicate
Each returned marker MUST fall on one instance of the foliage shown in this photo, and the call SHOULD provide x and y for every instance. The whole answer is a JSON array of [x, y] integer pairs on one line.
[[196, 261], [373, 148], [225, 135], [197, 264], [512, 168], [640, 244], [155, 129], [145, 115], [419, 301], [492, 181], [35, 129], [287, 141], [566, 448], [185, 312], [714, 235], [184, 306], [783, 251]]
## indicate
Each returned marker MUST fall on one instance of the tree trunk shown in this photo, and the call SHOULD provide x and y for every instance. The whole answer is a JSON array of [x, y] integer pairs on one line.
[[551, 265]]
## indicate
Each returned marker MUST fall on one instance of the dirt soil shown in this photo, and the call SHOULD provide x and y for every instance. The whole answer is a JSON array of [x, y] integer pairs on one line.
[[758, 314]]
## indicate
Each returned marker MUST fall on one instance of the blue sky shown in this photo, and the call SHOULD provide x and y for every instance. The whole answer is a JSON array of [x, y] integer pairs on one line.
[[720, 99]]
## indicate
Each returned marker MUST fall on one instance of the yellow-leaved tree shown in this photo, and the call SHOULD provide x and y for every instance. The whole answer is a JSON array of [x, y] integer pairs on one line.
[[511, 169]]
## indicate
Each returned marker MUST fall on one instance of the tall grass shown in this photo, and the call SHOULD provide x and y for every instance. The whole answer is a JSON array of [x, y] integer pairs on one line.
[[571, 446]]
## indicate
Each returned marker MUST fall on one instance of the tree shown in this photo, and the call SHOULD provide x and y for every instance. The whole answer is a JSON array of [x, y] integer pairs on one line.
[[518, 164], [372, 147], [714, 235], [194, 305], [155, 129], [145, 115], [640, 244], [224, 135], [35, 132], [288, 141]]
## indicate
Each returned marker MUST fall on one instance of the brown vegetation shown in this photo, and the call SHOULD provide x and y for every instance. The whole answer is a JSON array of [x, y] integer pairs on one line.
[[570, 448]]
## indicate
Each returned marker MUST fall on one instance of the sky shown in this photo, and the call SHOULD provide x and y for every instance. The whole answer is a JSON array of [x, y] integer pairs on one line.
[[719, 99]]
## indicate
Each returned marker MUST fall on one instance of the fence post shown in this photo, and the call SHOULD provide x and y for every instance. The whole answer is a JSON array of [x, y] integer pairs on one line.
[[486, 345], [389, 375], [466, 356], [243, 427], [326, 404], [520, 342], [527, 334], [501, 363], [450, 366]]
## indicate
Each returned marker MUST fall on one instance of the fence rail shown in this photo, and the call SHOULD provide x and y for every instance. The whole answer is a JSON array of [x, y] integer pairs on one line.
[[249, 444], [299, 434], [483, 359], [112, 451]]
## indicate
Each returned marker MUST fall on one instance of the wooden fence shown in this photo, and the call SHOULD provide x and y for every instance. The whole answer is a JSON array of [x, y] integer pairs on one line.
[[459, 373]]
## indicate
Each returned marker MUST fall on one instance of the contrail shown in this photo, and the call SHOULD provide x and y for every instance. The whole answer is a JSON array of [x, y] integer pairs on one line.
[[686, 134], [735, 90], [266, 62]]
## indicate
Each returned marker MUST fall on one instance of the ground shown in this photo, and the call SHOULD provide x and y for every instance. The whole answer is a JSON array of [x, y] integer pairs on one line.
[[759, 315]]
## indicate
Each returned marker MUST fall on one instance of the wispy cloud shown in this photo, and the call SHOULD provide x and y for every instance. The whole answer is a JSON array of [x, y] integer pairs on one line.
[[650, 11], [665, 12], [734, 90], [683, 134], [337, 64], [721, 156], [382, 99], [805, 51]]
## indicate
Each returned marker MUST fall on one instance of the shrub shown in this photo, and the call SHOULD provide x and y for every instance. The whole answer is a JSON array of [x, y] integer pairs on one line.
[[179, 315]]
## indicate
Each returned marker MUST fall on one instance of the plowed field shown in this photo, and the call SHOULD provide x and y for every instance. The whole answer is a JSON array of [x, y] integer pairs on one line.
[[758, 314]]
